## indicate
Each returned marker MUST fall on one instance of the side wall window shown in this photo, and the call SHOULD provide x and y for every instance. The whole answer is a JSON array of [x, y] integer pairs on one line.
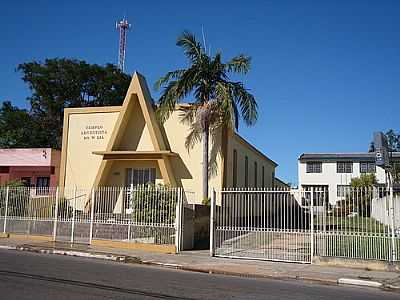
[[246, 171], [273, 179], [255, 174], [263, 176], [234, 168]]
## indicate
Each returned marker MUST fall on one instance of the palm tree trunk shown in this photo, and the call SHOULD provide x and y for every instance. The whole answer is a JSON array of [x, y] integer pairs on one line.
[[205, 161]]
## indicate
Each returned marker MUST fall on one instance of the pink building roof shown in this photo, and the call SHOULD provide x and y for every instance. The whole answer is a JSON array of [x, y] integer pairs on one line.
[[25, 157]]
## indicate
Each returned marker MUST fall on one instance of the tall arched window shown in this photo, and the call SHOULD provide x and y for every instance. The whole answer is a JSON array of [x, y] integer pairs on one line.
[[255, 174], [246, 171], [234, 168]]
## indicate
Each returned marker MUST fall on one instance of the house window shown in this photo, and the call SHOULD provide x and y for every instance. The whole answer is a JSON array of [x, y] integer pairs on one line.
[[367, 167], [4, 169], [246, 171], [314, 167], [320, 196], [140, 176], [255, 174], [234, 168], [344, 167], [42, 182], [42, 185], [263, 176], [342, 190]]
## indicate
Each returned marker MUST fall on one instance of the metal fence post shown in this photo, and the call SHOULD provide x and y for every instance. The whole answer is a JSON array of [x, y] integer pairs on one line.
[[6, 209], [312, 224], [178, 221], [392, 213], [91, 217], [212, 223], [55, 216], [73, 216], [130, 206]]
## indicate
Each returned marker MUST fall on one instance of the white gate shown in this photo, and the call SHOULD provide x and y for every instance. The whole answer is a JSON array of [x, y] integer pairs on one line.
[[295, 226], [261, 224]]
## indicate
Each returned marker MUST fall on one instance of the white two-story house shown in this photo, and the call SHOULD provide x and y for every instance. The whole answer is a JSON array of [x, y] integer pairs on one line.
[[334, 171]]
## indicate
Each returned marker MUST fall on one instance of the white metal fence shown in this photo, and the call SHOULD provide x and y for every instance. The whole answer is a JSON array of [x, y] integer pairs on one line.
[[285, 225], [145, 214], [363, 224]]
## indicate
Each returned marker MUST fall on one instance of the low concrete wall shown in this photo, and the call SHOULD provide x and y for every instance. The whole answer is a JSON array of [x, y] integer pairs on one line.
[[375, 265], [134, 246]]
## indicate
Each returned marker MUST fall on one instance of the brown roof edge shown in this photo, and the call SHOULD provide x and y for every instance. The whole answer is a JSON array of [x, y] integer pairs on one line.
[[242, 140], [281, 181]]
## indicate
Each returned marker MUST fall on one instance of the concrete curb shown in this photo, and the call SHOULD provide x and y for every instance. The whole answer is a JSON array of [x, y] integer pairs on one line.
[[359, 282], [8, 247], [136, 260], [111, 257]]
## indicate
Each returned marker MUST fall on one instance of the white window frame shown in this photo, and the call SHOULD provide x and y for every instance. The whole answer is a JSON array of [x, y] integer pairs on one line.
[[367, 167], [344, 167], [144, 176], [313, 167]]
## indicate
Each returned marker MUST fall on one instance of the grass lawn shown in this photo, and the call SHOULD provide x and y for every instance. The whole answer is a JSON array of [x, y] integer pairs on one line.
[[351, 225]]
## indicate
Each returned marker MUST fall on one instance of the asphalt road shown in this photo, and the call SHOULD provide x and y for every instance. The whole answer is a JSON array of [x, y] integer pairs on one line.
[[25, 275]]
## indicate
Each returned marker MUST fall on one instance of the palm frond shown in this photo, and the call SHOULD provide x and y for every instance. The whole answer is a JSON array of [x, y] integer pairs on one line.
[[191, 47], [229, 115], [175, 91], [188, 115], [239, 64], [167, 77], [194, 136], [246, 102], [167, 101]]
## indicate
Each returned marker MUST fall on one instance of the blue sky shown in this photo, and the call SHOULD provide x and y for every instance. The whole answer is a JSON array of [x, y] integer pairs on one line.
[[325, 74]]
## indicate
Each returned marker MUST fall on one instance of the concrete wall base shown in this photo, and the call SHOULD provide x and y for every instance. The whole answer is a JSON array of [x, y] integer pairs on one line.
[[134, 246]]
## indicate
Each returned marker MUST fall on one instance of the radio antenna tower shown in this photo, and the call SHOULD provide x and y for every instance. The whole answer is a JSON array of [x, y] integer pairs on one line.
[[123, 27]]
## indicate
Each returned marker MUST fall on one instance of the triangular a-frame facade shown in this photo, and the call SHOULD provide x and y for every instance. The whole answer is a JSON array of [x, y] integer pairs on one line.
[[137, 101]]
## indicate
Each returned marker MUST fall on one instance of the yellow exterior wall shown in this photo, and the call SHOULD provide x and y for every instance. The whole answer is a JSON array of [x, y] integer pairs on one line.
[[136, 135], [80, 164], [243, 149], [188, 167]]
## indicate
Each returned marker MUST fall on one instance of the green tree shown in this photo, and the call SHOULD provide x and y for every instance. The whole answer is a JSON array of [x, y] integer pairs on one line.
[[393, 140], [394, 145], [218, 101], [359, 199], [61, 83], [16, 127], [364, 181]]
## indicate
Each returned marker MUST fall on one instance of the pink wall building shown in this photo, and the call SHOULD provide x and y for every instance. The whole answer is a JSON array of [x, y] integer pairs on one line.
[[38, 167]]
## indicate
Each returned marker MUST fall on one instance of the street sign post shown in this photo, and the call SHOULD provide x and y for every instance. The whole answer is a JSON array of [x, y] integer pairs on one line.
[[381, 150]]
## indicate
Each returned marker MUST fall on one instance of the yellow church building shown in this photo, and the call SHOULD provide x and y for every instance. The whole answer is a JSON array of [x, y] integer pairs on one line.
[[126, 145]]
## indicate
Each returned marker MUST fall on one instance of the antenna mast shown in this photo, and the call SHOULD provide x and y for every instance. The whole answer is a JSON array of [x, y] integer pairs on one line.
[[123, 27]]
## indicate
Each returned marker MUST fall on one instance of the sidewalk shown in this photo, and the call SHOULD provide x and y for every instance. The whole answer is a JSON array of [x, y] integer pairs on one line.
[[200, 261]]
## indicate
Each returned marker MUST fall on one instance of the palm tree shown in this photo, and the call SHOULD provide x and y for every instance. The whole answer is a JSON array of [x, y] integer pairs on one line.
[[218, 101]]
